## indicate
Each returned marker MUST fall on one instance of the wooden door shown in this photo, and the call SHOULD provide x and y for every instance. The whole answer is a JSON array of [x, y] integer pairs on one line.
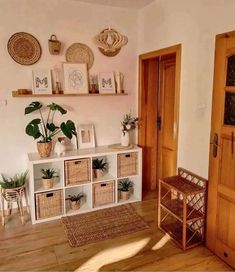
[[158, 112], [166, 112], [221, 192], [148, 136]]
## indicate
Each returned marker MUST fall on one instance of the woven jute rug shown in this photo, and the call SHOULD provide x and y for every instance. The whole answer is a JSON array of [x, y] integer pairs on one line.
[[103, 224]]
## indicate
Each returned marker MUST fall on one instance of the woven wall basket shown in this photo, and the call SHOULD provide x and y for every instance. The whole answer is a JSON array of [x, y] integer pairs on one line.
[[80, 53], [24, 48]]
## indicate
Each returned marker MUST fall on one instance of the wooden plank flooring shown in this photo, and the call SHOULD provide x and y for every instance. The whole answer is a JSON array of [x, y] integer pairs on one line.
[[44, 247]]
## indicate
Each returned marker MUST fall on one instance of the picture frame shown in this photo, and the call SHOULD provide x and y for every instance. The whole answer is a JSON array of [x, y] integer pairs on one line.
[[42, 83], [106, 82], [86, 136], [75, 78]]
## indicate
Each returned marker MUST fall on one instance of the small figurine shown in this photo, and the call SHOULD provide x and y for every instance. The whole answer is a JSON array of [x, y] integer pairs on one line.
[[60, 148]]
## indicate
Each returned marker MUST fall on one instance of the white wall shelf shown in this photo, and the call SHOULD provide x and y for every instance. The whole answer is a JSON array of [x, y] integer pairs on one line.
[[57, 162]]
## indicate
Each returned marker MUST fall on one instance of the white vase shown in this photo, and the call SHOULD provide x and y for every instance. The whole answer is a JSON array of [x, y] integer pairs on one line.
[[125, 139]]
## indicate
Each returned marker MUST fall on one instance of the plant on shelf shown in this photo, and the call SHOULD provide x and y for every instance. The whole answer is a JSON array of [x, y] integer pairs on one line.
[[125, 186], [16, 181], [128, 123], [75, 200], [99, 167], [44, 128], [48, 176]]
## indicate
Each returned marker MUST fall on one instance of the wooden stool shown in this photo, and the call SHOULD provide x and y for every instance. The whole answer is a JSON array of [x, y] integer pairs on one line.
[[10, 196]]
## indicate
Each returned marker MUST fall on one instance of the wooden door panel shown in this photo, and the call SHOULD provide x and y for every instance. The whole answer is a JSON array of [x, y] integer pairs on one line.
[[227, 164], [220, 237], [166, 135]]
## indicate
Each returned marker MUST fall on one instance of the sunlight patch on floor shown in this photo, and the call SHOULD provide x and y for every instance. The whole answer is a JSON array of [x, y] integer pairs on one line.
[[114, 254], [161, 242]]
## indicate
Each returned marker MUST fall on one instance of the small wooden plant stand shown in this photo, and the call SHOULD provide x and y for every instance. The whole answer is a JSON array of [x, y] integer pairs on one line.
[[10, 196], [182, 208]]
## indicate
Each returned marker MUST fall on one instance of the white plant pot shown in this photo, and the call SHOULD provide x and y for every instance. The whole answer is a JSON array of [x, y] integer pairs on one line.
[[125, 139]]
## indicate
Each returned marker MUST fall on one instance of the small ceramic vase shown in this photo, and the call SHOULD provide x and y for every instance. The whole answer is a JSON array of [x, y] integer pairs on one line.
[[125, 139]]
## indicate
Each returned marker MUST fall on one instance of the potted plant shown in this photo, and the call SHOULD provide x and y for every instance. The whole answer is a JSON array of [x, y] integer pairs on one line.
[[48, 177], [128, 123], [125, 187], [44, 128], [75, 200], [99, 167]]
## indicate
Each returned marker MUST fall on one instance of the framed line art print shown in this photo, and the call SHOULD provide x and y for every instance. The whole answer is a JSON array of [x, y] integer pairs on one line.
[[86, 136], [42, 81], [75, 78], [106, 82]]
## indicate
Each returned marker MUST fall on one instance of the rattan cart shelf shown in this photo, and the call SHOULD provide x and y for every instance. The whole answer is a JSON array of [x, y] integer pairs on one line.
[[181, 209]]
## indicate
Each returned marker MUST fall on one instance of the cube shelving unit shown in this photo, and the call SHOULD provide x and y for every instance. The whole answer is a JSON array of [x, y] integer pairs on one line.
[[75, 173]]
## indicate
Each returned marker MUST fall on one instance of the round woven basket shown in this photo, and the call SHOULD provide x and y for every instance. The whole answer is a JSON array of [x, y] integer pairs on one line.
[[80, 53], [24, 48]]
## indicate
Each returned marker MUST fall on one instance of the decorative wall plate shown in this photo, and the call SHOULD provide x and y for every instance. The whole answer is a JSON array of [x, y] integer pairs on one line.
[[80, 53], [24, 48]]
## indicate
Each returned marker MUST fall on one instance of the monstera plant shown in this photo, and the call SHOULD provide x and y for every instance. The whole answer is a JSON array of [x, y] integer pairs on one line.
[[44, 128]]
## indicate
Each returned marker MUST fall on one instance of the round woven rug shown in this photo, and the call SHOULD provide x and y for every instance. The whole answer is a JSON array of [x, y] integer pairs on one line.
[[24, 48]]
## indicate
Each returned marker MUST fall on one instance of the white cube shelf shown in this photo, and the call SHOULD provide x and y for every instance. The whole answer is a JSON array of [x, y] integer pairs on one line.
[[57, 162]]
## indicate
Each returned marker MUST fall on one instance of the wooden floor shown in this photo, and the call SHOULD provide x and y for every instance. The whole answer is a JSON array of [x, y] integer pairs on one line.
[[44, 247]]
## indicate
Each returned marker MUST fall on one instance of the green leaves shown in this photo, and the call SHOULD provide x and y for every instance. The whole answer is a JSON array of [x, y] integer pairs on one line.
[[32, 107], [32, 129], [52, 127], [13, 182], [56, 107], [68, 129]]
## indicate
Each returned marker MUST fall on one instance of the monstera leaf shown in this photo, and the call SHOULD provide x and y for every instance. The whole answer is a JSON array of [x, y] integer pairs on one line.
[[68, 129], [56, 107], [34, 106], [32, 129]]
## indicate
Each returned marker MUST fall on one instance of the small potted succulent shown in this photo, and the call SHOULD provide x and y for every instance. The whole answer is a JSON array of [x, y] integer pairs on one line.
[[125, 186], [99, 167], [48, 176], [45, 129], [75, 200]]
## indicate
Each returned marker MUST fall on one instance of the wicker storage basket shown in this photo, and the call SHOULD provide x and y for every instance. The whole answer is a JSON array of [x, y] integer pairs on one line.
[[127, 164], [77, 171], [49, 204], [103, 193]]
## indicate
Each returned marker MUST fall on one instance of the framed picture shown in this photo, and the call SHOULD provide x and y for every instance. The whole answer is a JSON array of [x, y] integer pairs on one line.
[[106, 82], [42, 81], [86, 136], [75, 78]]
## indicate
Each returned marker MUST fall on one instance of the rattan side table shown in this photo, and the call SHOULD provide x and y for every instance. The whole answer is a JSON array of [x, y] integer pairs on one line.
[[10, 196]]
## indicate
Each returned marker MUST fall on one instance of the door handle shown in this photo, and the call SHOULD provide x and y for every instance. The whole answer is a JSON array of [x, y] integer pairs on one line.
[[215, 144]]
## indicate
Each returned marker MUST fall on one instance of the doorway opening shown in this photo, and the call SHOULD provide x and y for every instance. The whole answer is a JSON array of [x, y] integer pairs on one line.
[[159, 85]]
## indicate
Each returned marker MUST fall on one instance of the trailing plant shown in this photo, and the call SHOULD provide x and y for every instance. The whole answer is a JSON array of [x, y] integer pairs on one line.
[[44, 127], [13, 182], [75, 197], [99, 164], [125, 185], [48, 173]]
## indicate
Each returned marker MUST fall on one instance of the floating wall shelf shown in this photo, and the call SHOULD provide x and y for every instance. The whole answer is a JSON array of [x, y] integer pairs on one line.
[[15, 94]]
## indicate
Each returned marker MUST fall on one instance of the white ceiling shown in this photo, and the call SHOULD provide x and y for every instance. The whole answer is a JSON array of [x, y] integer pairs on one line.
[[133, 4]]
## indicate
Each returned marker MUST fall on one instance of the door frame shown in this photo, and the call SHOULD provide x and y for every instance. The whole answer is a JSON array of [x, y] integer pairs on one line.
[[175, 49]]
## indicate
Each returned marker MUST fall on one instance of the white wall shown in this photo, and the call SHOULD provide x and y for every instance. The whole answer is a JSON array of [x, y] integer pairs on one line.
[[72, 22], [194, 24]]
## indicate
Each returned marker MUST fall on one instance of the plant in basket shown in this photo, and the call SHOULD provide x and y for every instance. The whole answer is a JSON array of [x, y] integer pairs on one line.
[[125, 186], [45, 129], [48, 176], [99, 167], [75, 200]]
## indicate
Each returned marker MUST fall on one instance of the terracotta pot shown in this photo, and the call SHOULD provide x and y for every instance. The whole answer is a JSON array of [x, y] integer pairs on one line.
[[74, 205], [44, 149], [98, 173], [47, 183], [125, 195]]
